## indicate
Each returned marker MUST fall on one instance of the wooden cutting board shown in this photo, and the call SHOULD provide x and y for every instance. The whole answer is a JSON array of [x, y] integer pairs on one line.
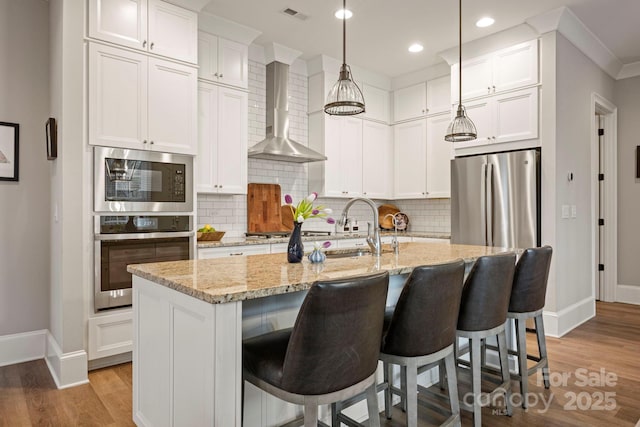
[[263, 208], [287, 217]]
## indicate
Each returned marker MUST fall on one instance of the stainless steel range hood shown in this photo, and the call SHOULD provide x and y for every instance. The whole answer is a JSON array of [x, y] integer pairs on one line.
[[277, 145]]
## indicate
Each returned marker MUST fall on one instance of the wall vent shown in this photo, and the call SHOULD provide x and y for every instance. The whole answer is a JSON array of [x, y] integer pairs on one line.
[[295, 14]]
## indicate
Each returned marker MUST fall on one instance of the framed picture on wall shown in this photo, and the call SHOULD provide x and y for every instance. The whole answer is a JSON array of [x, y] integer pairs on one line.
[[9, 159]]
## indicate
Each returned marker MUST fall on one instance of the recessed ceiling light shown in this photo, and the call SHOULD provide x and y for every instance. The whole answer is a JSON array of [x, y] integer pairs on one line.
[[485, 22], [343, 14], [416, 47]]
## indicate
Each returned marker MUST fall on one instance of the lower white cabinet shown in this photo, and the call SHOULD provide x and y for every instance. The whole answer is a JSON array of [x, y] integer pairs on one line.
[[410, 159], [226, 251], [377, 161], [222, 140], [110, 334]]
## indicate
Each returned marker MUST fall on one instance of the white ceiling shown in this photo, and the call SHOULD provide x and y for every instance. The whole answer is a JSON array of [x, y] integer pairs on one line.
[[379, 33]]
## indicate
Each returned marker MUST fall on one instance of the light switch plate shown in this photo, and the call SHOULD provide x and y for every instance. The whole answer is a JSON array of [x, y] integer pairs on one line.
[[573, 211], [565, 211]]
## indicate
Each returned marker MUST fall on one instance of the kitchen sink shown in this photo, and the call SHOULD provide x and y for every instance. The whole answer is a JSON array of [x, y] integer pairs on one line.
[[350, 253]]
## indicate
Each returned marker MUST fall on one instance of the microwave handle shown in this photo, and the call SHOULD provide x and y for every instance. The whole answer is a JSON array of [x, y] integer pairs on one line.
[[131, 236]]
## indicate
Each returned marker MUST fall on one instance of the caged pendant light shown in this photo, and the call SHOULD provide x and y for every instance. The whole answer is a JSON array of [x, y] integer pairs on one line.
[[461, 128], [345, 98]]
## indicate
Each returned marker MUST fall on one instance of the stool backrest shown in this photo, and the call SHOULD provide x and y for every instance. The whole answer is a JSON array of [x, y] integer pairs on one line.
[[530, 280], [424, 320], [486, 293], [335, 341]]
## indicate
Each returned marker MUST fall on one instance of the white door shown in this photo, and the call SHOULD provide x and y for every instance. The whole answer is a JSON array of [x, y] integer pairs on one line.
[[439, 154], [333, 173], [410, 142], [232, 137], [233, 68], [481, 114], [173, 31], [207, 56], [207, 129], [123, 22], [376, 103], [439, 95], [351, 159], [173, 91], [377, 161], [476, 78], [516, 66], [410, 102], [117, 97], [516, 115]]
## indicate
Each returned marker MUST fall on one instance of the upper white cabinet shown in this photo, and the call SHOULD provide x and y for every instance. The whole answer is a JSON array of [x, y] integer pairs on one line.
[[410, 102], [376, 103], [149, 25], [340, 139], [222, 140], [439, 95], [410, 155], [507, 117], [223, 61], [377, 160], [506, 69], [141, 102], [439, 155]]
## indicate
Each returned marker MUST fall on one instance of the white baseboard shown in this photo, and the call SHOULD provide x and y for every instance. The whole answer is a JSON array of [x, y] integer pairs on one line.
[[67, 369], [628, 294], [23, 347], [557, 324]]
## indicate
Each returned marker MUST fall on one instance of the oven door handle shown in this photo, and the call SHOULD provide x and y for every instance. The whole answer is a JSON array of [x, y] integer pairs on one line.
[[132, 236]]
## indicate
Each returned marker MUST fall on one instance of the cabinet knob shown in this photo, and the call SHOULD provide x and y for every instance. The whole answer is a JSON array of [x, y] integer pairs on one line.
[[215, 186], [144, 43], [151, 45], [220, 186], [151, 142], [221, 75], [488, 138], [144, 141], [216, 74], [494, 89], [493, 137], [236, 254]]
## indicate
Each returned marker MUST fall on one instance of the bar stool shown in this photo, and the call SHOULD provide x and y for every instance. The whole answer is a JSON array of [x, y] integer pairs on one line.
[[330, 354], [420, 333], [527, 300], [483, 314]]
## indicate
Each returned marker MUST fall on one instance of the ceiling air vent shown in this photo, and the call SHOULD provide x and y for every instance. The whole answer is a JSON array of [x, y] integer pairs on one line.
[[295, 14]]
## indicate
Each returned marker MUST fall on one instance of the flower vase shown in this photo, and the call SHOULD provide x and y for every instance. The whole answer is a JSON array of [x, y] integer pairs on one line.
[[295, 250], [317, 256]]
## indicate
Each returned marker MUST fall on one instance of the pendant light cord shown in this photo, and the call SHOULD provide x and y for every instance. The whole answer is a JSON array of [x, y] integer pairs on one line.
[[344, 32], [460, 54]]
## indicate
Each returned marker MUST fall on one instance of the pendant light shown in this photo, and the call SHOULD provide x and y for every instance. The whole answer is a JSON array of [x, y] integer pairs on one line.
[[345, 98], [461, 128]]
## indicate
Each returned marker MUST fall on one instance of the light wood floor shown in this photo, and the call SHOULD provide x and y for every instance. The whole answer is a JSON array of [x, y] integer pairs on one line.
[[610, 341]]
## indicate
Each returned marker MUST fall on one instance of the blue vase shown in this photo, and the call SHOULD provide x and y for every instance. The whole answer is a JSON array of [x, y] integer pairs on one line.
[[295, 250], [317, 256]]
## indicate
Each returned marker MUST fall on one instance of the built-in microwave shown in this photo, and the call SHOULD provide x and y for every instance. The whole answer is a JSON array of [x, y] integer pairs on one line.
[[142, 181]]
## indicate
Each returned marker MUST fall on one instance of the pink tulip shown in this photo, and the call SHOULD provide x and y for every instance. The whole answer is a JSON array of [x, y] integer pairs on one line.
[[315, 212], [288, 199], [331, 221], [326, 244]]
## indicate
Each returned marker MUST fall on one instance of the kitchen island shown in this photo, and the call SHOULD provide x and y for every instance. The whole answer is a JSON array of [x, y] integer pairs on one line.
[[190, 318]]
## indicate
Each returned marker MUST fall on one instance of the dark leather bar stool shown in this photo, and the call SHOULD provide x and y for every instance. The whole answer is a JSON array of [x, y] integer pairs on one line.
[[527, 300], [419, 333], [483, 314], [330, 354]]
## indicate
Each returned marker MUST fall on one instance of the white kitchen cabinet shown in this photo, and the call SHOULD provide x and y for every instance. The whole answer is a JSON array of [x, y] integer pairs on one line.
[[376, 103], [153, 26], [503, 70], [227, 251], [430, 240], [140, 102], [110, 334], [439, 95], [410, 102], [340, 139], [506, 117], [439, 155], [410, 159], [223, 61], [359, 243], [388, 239], [222, 140], [377, 161]]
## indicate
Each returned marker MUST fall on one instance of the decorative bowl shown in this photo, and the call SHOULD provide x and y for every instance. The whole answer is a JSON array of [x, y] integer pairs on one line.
[[210, 237]]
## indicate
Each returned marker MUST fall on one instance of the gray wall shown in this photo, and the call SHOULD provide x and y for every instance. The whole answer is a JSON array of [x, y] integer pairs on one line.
[[627, 99], [24, 205]]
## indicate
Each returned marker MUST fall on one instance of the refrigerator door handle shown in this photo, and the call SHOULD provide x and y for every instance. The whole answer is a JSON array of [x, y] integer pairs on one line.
[[483, 200], [489, 204]]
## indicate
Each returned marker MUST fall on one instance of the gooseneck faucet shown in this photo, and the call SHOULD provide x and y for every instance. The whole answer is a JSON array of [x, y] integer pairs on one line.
[[373, 239]]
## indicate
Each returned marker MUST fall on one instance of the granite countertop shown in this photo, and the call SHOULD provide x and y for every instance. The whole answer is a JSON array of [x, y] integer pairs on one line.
[[242, 241], [221, 280]]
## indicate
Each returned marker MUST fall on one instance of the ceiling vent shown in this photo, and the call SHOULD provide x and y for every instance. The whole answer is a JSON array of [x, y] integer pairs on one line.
[[295, 14]]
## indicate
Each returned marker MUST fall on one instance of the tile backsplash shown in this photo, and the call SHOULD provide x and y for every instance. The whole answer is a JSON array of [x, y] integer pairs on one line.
[[229, 212]]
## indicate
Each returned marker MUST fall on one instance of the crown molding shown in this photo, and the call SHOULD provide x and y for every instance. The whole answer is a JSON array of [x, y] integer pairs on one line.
[[228, 29], [194, 5], [629, 70]]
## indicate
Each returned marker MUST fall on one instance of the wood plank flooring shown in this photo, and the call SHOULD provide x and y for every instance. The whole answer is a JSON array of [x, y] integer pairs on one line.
[[609, 342]]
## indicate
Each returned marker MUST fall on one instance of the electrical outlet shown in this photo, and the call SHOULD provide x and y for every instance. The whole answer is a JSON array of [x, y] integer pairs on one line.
[[573, 211], [565, 211]]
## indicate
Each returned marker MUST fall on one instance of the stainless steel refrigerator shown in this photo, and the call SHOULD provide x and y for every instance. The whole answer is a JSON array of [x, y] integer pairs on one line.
[[495, 199]]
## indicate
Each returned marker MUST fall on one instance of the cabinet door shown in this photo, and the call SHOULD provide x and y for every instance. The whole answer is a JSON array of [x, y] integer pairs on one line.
[[377, 161], [410, 102], [207, 56], [476, 78], [173, 91], [439, 95], [481, 114], [351, 159], [376, 103], [207, 134], [516, 116], [410, 142], [516, 66], [117, 97], [332, 173], [119, 21], [173, 31], [233, 68], [439, 154], [231, 159]]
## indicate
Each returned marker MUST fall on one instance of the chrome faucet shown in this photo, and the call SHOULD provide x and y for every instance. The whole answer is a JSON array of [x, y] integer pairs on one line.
[[373, 239]]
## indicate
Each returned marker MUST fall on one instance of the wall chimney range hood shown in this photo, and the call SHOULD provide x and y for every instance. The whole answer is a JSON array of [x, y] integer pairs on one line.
[[277, 145]]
